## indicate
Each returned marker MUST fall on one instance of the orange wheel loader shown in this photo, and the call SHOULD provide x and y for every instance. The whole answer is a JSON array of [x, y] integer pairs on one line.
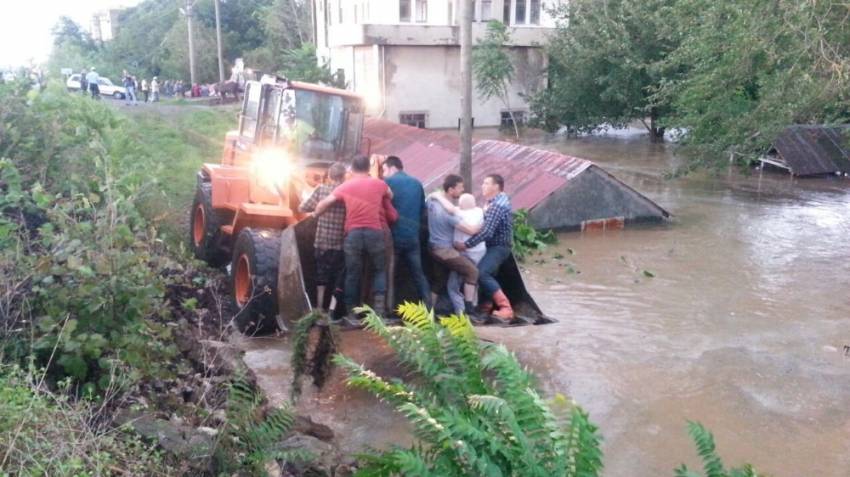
[[289, 134]]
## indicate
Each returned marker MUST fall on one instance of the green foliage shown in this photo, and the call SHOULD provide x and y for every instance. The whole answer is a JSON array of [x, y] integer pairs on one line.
[[80, 258], [753, 67], [300, 64], [492, 67], [253, 431], [712, 463], [728, 75], [473, 407], [44, 433], [153, 39], [605, 61], [526, 238]]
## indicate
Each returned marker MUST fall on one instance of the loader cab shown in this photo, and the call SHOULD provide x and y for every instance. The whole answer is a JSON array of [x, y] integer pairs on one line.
[[314, 124]]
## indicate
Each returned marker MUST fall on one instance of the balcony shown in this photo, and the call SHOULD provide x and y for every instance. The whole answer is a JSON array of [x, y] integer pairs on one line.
[[426, 35]]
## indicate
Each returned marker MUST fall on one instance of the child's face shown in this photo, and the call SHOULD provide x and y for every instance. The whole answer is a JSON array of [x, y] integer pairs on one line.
[[466, 202]]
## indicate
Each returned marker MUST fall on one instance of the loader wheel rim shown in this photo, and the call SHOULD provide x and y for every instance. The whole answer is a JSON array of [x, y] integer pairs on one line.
[[242, 280], [199, 225]]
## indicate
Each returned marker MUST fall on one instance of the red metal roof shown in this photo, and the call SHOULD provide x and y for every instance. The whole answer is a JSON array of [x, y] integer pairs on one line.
[[531, 174]]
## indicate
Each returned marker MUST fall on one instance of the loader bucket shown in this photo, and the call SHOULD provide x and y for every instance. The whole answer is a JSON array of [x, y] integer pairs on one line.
[[296, 287], [296, 283], [509, 277]]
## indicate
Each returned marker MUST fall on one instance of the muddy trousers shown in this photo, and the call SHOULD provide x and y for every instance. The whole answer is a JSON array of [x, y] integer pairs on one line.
[[359, 243], [488, 268]]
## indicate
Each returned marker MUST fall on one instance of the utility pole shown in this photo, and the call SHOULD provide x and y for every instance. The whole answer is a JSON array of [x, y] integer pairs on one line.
[[466, 92], [188, 12], [218, 42]]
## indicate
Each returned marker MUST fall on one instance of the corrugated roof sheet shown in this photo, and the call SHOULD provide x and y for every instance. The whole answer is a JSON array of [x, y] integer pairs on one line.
[[530, 174], [810, 150]]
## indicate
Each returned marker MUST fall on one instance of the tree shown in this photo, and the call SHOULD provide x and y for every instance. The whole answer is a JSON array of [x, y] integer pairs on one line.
[[755, 66], [300, 64], [68, 32], [606, 61], [492, 67]]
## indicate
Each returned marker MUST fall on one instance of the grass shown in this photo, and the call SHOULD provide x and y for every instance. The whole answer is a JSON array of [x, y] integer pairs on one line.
[[178, 140]]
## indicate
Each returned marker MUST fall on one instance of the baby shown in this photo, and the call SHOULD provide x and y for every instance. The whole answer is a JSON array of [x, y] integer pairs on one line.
[[472, 216]]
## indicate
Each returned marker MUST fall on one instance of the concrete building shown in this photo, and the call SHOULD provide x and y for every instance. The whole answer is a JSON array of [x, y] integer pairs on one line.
[[105, 23], [404, 55]]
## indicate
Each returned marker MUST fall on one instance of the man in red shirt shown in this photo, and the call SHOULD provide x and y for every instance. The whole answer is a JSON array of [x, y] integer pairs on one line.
[[368, 211]]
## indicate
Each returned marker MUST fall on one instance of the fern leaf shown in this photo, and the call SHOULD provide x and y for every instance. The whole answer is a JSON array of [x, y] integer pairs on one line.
[[704, 440]]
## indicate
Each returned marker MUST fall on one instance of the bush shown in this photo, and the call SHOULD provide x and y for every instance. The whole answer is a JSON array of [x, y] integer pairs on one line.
[[44, 433], [526, 238], [81, 264], [475, 409]]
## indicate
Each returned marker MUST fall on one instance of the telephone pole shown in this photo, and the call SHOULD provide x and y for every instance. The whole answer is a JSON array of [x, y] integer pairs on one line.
[[466, 92], [218, 42], [188, 12]]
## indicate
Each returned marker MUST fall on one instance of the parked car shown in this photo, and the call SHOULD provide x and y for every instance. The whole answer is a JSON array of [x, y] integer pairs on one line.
[[106, 86]]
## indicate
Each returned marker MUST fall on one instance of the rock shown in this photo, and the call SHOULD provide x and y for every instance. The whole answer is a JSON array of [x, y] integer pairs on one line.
[[180, 440], [273, 469], [208, 431], [305, 425], [324, 456]]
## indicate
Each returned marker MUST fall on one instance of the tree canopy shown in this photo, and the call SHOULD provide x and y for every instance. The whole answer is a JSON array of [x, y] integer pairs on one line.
[[152, 39], [728, 74]]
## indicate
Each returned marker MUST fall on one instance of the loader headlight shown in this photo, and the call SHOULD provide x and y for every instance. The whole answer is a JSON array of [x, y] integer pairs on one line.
[[272, 168]]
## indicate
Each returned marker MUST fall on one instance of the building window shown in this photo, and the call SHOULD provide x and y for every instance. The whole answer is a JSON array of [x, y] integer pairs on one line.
[[339, 2], [507, 122], [506, 11], [451, 11], [417, 120], [404, 10], [519, 17], [421, 11], [534, 14], [486, 10]]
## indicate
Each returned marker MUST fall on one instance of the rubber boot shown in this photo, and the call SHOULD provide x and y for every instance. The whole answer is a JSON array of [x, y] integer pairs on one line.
[[503, 310]]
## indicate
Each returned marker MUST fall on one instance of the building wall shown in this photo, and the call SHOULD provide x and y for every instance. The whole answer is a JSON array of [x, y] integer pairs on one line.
[[414, 66], [427, 79]]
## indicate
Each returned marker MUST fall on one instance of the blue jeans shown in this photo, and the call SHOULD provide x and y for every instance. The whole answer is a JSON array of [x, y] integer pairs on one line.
[[411, 253], [488, 267], [357, 243]]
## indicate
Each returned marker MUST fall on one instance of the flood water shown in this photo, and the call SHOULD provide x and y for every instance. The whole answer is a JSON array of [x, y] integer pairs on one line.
[[743, 326]]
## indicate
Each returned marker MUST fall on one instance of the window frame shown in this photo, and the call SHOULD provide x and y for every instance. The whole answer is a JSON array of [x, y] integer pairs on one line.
[[413, 119]]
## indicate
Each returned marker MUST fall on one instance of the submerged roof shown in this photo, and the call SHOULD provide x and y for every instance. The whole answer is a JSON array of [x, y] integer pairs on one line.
[[532, 175], [810, 150]]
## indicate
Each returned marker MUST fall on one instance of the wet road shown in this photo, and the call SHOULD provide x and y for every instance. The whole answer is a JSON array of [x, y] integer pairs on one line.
[[742, 326]]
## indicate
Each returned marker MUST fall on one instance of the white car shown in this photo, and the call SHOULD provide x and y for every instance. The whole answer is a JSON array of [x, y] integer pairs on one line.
[[105, 85]]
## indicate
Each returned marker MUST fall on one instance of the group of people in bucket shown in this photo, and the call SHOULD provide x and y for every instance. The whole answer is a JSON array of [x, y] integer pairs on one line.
[[467, 241]]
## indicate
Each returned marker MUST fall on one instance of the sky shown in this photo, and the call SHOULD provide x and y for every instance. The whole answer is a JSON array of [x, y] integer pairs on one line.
[[25, 25]]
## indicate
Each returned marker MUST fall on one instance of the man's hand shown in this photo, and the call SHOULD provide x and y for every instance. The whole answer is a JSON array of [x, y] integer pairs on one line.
[[460, 246]]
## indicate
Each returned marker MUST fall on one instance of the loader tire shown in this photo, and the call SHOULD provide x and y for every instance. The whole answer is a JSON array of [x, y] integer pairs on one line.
[[205, 228], [253, 273]]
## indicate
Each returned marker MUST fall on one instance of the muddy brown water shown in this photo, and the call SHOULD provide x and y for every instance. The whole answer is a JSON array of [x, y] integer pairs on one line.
[[742, 326]]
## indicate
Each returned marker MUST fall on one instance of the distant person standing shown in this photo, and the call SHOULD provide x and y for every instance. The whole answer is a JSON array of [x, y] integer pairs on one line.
[[154, 89], [145, 89], [130, 86], [84, 85], [92, 79]]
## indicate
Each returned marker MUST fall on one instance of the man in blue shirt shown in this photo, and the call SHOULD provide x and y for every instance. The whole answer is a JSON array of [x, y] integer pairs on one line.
[[409, 201], [497, 233]]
